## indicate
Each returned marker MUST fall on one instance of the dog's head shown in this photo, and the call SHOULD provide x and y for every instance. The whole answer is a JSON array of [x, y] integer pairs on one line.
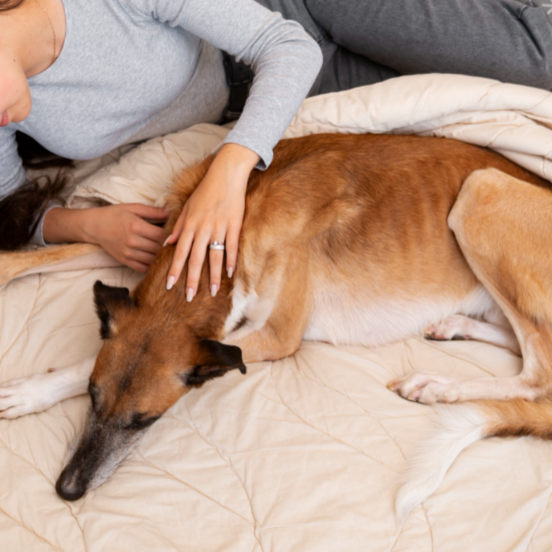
[[149, 359]]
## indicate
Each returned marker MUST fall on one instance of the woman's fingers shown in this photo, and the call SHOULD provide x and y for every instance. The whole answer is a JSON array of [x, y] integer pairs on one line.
[[181, 252], [147, 211], [142, 257], [137, 259], [177, 230], [139, 267], [195, 262], [232, 242], [196, 247], [216, 258], [141, 228], [143, 244], [151, 232], [193, 245]]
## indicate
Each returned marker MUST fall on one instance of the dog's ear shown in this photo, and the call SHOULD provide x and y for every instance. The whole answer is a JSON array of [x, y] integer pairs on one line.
[[215, 359], [108, 300]]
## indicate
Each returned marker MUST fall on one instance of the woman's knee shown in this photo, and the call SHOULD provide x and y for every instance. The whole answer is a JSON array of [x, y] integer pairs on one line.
[[534, 62]]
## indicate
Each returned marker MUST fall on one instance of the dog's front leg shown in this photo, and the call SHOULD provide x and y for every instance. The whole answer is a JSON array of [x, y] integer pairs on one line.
[[41, 391], [264, 344], [278, 338]]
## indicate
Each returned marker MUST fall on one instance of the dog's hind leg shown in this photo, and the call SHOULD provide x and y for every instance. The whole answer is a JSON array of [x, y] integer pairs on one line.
[[459, 327], [504, 229], [41, 391]]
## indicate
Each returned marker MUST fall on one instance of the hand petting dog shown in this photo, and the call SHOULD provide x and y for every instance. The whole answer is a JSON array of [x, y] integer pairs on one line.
[[213, 213]]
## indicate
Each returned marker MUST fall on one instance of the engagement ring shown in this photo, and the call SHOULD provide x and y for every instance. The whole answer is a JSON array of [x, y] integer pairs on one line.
[[217, 246]]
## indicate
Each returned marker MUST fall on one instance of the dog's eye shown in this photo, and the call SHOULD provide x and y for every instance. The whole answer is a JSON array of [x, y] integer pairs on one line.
[[139, 422]]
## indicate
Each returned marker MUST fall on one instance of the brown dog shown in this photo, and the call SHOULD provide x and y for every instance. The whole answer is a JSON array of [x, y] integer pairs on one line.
[[345, 239]]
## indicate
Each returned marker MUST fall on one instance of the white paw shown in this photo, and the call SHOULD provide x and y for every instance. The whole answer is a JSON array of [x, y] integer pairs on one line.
[[26, 395], [457, 326], [425, 388]]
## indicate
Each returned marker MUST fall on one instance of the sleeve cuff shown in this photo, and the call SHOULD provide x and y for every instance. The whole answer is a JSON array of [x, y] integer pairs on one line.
[[265, 153], [38, 237]]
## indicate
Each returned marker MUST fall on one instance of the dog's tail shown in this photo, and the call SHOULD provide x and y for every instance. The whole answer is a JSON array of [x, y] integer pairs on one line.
[[458, 427]]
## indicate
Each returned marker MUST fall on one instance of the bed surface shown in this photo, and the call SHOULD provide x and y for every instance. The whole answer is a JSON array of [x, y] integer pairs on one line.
[[306, 453], [303, 454]]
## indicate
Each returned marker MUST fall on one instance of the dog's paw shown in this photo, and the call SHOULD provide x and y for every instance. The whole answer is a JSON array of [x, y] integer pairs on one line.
[[456, 327], [27, 395], [425, 388]]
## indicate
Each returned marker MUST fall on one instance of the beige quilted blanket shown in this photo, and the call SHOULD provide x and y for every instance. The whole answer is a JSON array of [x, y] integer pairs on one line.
[[304, 454]]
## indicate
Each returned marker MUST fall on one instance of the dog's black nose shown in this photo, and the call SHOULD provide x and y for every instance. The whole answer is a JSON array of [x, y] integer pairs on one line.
[[69, 487]]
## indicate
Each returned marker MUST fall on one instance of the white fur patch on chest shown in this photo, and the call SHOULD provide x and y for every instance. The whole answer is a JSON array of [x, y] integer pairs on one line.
[[248, 306], [240, 300], [362, 320]]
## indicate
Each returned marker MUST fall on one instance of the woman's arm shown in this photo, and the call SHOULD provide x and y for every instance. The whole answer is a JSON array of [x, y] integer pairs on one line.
[[286, 62], [120, 229], [284, 58]]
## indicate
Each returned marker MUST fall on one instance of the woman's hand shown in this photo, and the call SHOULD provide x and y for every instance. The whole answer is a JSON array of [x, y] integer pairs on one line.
[[214, 212], [120, 229]]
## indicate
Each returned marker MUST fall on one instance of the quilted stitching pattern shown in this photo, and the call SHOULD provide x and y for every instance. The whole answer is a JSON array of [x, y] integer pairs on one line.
[[302, 454]]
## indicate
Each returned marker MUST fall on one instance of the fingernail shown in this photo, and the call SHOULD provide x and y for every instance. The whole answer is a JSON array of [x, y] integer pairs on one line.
[[170, 282], [214, 290], [167, 240], [230, 272], [190, 295]]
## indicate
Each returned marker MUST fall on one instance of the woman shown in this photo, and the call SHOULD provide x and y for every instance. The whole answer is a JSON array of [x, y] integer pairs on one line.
[[106, 73]]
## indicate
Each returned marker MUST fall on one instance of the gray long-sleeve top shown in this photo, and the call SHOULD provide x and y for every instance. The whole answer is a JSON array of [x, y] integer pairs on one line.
[[133, 69]]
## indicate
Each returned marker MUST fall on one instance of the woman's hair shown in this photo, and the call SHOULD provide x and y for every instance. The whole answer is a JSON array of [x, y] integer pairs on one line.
[[21, 211], [7, 5]]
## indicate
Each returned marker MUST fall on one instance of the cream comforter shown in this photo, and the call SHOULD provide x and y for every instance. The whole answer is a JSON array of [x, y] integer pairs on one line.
[[303, 454]]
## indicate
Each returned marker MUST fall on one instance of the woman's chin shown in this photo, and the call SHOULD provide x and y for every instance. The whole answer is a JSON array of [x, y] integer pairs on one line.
[[19, 115]]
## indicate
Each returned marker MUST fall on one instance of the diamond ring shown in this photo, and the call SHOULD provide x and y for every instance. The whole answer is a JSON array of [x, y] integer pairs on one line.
[[217, 246]]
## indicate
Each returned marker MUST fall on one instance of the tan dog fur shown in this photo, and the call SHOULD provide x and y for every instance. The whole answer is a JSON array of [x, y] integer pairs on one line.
[[345, 239], [56, 258]]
